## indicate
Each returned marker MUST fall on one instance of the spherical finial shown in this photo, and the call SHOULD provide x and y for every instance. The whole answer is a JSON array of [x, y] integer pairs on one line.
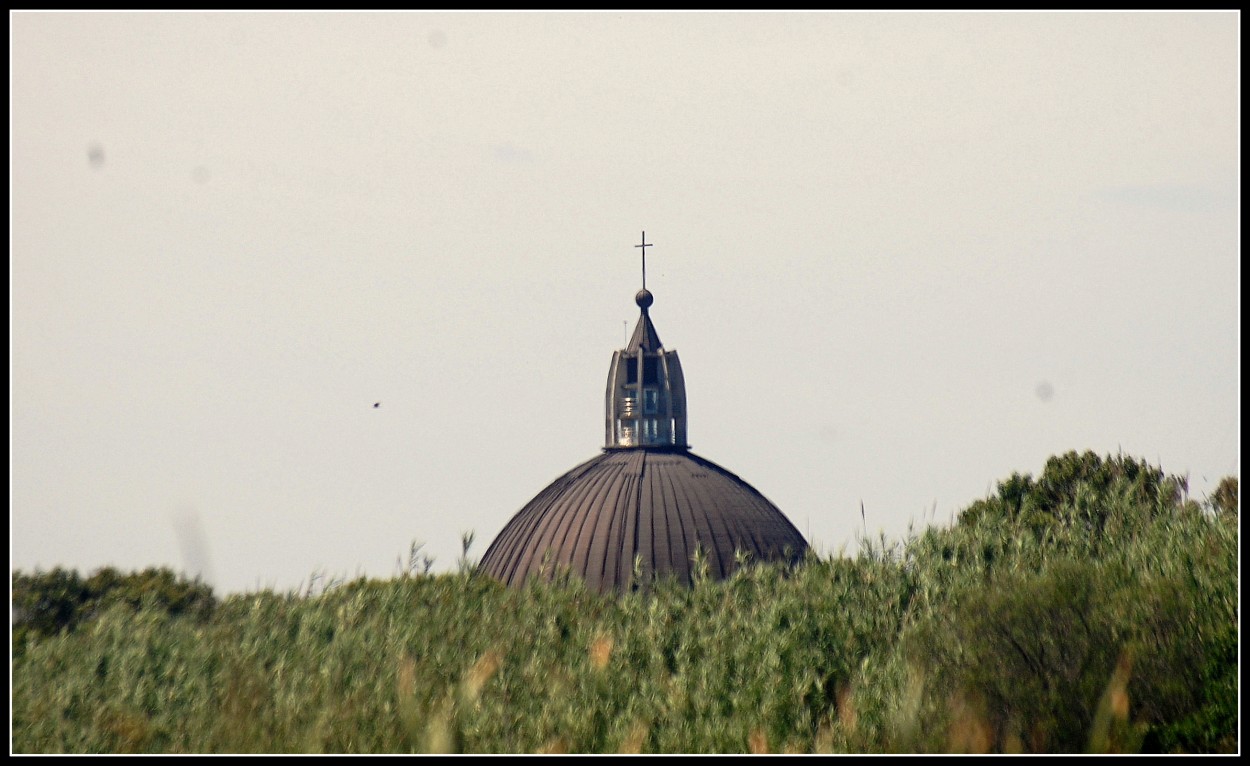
[[644, 299]]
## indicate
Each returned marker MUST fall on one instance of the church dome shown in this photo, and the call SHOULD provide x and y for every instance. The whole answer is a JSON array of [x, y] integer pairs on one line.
[[654, 505], [647, 503]]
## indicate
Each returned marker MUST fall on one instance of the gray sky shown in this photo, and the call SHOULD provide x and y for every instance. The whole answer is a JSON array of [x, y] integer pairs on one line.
[[901, 256]]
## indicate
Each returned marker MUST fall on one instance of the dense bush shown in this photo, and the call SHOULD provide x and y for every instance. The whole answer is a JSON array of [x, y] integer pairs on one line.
[[46, 603], [1080, 493], [1225, 498]]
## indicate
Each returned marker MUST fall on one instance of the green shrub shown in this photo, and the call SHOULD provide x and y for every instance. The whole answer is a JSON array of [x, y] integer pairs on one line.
[[47, 603]]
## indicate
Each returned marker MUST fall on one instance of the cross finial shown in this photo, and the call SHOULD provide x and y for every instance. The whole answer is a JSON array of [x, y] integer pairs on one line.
[[644, 247]]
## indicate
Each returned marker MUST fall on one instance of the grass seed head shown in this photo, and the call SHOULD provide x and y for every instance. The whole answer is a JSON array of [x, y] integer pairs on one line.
[[601, 651], [758, 741]]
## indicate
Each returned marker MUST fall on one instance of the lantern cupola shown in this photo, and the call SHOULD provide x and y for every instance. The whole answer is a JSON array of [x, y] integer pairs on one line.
[[645, 401]]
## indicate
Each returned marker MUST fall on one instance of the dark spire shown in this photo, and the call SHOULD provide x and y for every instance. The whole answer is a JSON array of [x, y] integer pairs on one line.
[[645, 337]]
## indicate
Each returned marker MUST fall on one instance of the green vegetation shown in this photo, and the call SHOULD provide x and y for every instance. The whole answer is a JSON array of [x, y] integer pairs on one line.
[[60, 600], [1093, 609]]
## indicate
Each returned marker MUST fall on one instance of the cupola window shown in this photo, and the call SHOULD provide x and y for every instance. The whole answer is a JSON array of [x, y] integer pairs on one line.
[[650, 431]]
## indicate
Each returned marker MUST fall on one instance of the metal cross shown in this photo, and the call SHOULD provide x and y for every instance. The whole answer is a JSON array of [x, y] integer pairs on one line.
[[644, 247]]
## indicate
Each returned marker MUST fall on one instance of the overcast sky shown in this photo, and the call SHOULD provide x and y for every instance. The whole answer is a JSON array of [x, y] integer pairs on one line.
[[900, 255]]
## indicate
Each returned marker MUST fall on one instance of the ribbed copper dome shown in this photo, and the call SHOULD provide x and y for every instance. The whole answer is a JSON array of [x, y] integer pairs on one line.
[[654, 504]]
